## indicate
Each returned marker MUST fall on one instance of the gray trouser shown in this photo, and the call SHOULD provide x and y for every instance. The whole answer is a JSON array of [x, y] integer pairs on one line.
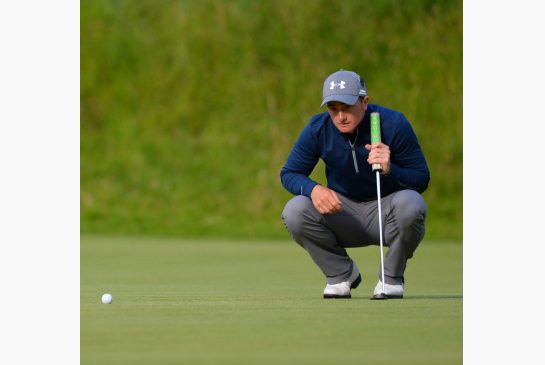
[[326, 236]]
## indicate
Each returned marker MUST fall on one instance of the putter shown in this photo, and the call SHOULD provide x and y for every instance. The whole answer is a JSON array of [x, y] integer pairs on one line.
[[375, 137]]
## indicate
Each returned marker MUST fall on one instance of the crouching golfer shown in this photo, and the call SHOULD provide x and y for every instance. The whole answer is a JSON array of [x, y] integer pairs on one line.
[[327, 220]]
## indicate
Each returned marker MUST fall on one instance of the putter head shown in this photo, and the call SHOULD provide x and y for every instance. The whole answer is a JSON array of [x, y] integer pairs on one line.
[[380, 296]]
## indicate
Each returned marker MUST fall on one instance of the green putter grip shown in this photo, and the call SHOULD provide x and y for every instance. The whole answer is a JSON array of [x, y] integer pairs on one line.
[[375, 136]]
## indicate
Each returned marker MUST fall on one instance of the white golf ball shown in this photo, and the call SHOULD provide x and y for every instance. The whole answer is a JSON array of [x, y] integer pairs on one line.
[[107, 298]]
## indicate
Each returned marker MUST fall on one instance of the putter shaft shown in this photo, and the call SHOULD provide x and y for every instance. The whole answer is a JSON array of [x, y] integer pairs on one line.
[[380, 231]]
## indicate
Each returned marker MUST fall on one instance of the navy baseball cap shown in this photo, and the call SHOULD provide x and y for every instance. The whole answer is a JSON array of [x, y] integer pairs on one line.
[[344, 86]]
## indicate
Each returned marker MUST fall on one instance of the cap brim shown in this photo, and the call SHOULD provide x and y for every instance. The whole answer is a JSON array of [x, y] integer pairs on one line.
[[347, 99]]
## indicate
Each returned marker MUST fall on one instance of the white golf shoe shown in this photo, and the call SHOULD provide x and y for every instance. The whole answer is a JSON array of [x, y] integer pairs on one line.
[[342, 289], [391, 291]]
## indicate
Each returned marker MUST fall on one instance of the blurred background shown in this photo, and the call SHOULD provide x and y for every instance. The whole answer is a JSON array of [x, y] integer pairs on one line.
[[189, 109]]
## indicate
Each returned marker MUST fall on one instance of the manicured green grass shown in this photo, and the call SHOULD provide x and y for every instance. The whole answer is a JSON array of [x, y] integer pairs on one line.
[[183, 301]]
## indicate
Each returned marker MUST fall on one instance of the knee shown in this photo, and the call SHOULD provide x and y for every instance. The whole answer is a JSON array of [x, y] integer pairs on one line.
[[409, 207], [295, 213]]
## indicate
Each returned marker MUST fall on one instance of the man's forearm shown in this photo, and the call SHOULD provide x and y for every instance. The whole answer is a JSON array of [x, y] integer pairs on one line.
[[296, 183], [413, 179]]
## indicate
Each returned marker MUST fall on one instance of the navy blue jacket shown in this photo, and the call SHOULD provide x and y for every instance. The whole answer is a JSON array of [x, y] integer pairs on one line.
[[354, 178]]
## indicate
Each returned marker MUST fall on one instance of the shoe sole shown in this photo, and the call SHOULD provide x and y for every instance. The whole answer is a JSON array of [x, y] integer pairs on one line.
[[354, 285], [385, 296], [333, 296]]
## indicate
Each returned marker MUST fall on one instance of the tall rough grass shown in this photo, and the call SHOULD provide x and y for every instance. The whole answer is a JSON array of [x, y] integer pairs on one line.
[[190, 108]]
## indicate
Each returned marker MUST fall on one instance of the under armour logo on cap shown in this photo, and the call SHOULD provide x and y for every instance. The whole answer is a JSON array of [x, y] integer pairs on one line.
[[333, 84], [343, 86]]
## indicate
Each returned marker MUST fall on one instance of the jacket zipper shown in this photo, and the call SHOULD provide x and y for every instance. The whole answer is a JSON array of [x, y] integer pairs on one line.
[[353, 147]]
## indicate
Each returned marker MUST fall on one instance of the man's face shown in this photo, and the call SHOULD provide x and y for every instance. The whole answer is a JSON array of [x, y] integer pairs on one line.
[[347, 117]]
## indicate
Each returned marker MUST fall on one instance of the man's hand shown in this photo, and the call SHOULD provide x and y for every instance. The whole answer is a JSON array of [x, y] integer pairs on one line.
[[379, 153], [325, 200]]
